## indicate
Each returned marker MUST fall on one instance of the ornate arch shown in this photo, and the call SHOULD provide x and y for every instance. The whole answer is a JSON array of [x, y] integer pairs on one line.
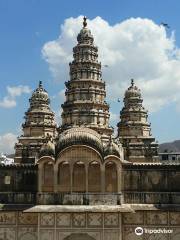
[[79, 236], [111, 177]]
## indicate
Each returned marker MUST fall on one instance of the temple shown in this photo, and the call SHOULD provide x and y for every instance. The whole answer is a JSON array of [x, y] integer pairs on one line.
[[134, 131], [80, 180]]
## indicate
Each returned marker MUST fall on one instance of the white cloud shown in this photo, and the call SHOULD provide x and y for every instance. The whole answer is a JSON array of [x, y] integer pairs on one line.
[[7, 142], [9, 100], [58, 119], [114, 117], [62, 95], [135, 48]]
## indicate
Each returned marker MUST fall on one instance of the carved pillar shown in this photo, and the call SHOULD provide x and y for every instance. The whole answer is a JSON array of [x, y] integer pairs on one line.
[[55, 178], [40, 176], [102, 178]]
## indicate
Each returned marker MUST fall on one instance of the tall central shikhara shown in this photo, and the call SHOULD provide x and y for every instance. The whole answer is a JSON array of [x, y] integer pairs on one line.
[[85, 103]]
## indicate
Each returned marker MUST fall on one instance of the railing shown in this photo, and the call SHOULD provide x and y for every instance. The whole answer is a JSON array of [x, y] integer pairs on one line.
[[17, 198], [60, 198], [48, 198], [152, 197]]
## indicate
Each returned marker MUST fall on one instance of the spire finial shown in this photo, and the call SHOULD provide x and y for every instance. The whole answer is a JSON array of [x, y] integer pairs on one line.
[[40, 84], [132, 82], [84, 22]]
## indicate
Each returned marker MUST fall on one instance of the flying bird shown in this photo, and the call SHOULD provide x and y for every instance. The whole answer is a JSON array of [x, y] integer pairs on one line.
[[165, 25], [105, 65]]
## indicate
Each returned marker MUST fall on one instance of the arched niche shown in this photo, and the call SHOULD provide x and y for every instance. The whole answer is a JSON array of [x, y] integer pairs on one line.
[[28, 236], [94, 177], [111, 177], [79, 177], [48, 177], [64, 177], [79, 236]]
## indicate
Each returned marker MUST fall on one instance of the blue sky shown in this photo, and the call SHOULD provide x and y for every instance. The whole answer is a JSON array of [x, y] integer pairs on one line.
[[26, 26]]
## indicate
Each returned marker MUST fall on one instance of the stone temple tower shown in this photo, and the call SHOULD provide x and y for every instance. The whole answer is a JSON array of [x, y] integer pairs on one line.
[[134, 131], [38, 128], [85, 103]]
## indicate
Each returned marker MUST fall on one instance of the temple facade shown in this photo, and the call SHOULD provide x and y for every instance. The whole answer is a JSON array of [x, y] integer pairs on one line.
[[81, 181]]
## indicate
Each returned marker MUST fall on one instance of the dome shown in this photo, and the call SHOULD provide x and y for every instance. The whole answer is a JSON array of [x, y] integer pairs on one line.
[[133, 91], [40, 94], [80, 136], [85, 34]]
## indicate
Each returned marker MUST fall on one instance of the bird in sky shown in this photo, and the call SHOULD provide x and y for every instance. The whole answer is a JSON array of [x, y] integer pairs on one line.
[[165, 25]]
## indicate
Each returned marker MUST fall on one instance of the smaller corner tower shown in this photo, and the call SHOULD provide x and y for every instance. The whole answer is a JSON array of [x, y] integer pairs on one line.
[[134, 131], [38, 127]]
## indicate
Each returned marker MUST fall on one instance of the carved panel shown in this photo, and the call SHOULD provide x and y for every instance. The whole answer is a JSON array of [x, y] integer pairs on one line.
[[176, 234], [47, 219], [109, 235], [27, 218], [156, 236], [111, 220], [79, 220], [63, 219], [27, 233], [175, 218], [7, 233], [133, 218], [80, 235], [129, 234], [7, 218], [156, 218], [94, 219], [46, 234]]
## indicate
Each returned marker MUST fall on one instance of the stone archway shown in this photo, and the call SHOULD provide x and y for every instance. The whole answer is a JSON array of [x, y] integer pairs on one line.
[[28, 236], [79, 236]]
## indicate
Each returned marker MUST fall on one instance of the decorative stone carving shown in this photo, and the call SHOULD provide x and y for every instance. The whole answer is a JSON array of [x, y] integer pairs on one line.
[[47, 219], [174, 218], [111, 220], [79, 219], [156, 218], [134, 131], [27, 233], [63, 219], [94, 219], [129, 234], [7, 233], [176, 234], [109, 235], [108, 200], [79, 236], [27, 218], [7, 218], [133, 218], [46, 234], [156, 236]]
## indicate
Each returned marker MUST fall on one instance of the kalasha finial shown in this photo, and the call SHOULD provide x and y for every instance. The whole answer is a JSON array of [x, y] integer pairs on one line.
[[40, 84], [132, 82], [84, 22]]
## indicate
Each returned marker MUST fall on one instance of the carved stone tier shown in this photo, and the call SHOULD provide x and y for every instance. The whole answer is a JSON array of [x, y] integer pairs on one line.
[[134, 131], [85, 92], [39, 125]]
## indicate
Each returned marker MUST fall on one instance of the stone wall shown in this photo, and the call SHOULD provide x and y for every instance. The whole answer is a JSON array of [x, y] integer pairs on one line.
[[151, 220], [59, 226], [87, 226]]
